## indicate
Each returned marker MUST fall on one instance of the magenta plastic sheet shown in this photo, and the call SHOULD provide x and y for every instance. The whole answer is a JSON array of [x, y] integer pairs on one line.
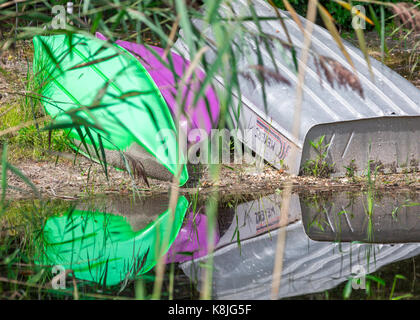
[[201, 116]]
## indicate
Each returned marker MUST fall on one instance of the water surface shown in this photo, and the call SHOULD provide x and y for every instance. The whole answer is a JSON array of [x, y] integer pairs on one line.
[[327, 236]]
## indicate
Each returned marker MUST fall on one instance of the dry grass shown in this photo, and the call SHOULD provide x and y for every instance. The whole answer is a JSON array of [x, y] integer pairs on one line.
[[408, 14]]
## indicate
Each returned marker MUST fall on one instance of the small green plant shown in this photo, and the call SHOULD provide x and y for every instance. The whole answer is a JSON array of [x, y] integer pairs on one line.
[[372, 170], [351, 170], [318, 167]]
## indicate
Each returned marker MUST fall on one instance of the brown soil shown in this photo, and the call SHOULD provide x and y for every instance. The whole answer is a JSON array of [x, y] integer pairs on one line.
[[84, 178]]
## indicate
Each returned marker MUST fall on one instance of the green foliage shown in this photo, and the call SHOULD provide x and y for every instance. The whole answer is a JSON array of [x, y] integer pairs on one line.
[[318, 167], [351, 170], [30, 137], [30, 141], [342, 16]]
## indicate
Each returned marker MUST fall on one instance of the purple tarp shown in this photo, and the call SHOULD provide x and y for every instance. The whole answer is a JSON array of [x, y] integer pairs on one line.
[[200, 116]]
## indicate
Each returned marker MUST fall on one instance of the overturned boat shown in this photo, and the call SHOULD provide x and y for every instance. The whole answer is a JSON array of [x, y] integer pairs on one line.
[[376, 123]]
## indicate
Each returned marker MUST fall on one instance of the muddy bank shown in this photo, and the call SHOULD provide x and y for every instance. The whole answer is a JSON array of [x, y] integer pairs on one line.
[[68, 180]]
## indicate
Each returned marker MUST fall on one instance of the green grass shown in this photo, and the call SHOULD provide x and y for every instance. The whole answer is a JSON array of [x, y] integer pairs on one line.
[[30, 142], [318, 167]]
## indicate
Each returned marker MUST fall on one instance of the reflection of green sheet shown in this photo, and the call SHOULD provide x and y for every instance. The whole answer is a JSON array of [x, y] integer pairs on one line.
[[132, 109], [103, 248]]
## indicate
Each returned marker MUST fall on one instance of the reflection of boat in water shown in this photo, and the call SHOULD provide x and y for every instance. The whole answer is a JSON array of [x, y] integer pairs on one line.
[[104, 247], [344, 217], [191, 242], [258, 217], [246, 271], [109, 248]]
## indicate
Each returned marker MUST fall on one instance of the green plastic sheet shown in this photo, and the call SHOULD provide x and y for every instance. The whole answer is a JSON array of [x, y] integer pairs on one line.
[[108, 87]]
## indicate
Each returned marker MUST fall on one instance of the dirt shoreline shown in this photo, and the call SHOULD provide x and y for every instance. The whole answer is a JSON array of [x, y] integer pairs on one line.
[[84, 178]]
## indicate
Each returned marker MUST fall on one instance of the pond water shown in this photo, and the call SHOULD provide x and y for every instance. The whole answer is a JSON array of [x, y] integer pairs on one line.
[[113, 244]]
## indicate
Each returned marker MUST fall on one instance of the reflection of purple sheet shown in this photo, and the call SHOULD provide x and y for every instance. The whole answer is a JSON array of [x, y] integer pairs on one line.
[[200, 116], [191, 242]]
